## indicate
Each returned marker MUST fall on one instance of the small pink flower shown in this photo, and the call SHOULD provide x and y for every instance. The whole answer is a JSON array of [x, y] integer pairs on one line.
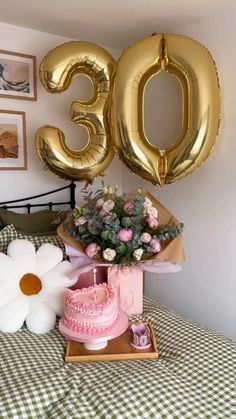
[[125, 234], [108, 205], [155, 246], [128, 208], [152, 222], [92, 250], [102, 212], [146, 237]]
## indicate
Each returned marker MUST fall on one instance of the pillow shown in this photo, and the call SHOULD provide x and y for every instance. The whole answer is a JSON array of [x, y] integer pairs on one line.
[[6, 236], [37, 222], [38, 240], [42, 278]]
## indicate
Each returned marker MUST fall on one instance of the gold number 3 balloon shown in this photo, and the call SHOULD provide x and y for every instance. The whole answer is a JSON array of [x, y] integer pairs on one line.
[[189, 61], [56, 72], [195, 69]]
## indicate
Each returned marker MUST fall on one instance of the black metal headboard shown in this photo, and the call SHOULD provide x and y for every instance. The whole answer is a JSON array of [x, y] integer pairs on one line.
[[50, 204]]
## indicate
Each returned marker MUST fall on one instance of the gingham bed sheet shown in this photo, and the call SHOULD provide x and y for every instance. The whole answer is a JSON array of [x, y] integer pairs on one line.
[[194, 376]]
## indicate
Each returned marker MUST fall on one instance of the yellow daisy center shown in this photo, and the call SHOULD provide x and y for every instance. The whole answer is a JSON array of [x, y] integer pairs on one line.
[[30, 284]]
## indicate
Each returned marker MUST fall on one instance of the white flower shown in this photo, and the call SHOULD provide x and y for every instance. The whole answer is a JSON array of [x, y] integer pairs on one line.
[[138, 253], [109, 254], [99, 203], [149, 209], [80, 221], [152, 211], [108, 205], [105, 190], [146, 206], [147, 202], [32, 286]]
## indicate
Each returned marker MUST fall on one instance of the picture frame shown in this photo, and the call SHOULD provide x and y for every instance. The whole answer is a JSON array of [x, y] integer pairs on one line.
[[13, 154], [18, 76]]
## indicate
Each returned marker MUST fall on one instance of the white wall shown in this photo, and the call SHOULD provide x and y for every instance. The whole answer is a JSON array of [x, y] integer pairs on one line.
[[48, 109], [206, 202]]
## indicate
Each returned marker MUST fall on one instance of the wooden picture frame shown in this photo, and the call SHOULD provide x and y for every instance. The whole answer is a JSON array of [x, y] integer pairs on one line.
[[18, 76], [13, 154]]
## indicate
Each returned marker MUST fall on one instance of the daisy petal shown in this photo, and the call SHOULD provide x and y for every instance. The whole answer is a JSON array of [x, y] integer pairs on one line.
[[47, 257], [41, 318], [22, 253], [8, 292], [52, 281], [57, 277], [8, 271], [13, 314], [63, 268], [55, 301]]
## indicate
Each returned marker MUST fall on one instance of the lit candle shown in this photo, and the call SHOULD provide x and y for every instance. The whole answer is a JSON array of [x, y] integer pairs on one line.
[[94, 283]]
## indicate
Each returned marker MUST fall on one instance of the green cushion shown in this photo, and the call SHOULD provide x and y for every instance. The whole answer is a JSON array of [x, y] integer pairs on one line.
[[37, 222], [43, 233], [38, 240], [6, 236]]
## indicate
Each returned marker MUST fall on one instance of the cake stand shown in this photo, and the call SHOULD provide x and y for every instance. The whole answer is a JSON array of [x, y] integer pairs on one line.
[[100, 342]]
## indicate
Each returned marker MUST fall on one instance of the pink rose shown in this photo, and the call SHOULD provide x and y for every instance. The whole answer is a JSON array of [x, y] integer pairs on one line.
[[92, 250], [108, 205], [102, 212], [152, 222], [128, 208], [125, 234], [155, 246], [146, 237]]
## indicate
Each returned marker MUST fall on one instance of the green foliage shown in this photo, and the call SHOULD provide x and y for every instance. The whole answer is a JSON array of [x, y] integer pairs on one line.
[[126, 222], [120, 248], [168, 232], [105, 234]]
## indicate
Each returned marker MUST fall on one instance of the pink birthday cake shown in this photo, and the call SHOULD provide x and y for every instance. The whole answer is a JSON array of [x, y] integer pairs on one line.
[[91, 311]]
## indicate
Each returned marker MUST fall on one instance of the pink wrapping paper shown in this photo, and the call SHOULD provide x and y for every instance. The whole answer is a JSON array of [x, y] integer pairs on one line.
[[82, 263], [129, 282]]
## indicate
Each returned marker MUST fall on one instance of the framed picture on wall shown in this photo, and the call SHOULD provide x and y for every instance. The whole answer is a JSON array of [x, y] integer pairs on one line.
[[18, 76], [13, 154]]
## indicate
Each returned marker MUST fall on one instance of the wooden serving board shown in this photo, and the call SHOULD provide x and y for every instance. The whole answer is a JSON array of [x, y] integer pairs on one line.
[[117, 349]]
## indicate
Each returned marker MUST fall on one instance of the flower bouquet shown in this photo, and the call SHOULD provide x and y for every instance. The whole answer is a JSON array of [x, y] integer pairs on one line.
[[129, 233]]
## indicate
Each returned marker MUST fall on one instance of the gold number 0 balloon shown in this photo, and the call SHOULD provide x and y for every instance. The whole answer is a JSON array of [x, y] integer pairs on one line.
[[195, 69], [56, 72]]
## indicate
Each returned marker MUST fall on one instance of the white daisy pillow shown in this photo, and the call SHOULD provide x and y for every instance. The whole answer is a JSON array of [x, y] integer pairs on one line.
[[32, 286]]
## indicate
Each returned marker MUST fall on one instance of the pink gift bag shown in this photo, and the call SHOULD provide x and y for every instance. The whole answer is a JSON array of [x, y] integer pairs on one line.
[[85, 279], [129, 282]]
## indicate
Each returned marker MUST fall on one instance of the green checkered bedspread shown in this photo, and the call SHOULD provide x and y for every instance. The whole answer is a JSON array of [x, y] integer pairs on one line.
[[193, 378]]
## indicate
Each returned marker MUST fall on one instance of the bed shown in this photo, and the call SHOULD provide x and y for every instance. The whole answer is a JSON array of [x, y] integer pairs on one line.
[[194, 376]]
